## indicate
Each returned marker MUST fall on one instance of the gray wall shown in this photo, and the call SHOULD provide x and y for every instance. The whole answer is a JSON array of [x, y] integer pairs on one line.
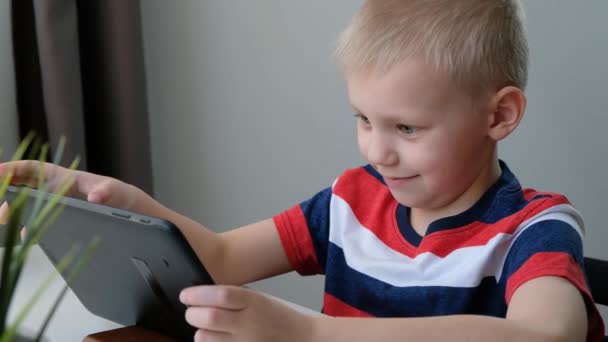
[[249, 116], [8, 118]]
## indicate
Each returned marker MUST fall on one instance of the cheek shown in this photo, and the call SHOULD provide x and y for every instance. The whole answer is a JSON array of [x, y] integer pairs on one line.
[[438, 159], [428, 157], [362, 142], [452, 159]]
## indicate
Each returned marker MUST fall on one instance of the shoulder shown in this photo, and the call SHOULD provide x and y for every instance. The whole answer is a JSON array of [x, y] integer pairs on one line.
[[551, 231], [509, 205], [516, 209], [550, 206], [546, 197]]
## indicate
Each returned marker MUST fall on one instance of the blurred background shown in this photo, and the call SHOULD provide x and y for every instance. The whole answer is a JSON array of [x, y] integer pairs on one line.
[[232, 111]]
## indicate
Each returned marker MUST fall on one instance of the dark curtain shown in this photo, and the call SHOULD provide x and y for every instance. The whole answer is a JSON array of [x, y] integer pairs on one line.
[[79, 68]]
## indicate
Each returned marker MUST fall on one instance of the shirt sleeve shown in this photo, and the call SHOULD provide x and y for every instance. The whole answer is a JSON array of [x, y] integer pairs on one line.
[[551, 247], [304, 233]]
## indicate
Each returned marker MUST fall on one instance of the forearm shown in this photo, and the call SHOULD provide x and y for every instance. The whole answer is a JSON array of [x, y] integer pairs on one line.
[[236, 257], [206, 244], [442, 328]]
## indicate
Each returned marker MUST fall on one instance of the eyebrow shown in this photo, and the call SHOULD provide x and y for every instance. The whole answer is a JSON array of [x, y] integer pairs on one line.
[[390, 117], [358, 111], [354, 108]]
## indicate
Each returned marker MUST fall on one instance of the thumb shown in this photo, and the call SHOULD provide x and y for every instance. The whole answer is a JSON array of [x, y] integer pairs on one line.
[[113, 193], [4, 218], [101, 193], [98, 195]]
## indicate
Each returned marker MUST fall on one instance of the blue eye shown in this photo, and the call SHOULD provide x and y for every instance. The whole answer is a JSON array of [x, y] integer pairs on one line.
[[408, 130]]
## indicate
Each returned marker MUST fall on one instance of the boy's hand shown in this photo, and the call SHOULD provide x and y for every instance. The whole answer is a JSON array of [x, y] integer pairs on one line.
[[231, 313], [4, 218], [4, 213], [94, 188]]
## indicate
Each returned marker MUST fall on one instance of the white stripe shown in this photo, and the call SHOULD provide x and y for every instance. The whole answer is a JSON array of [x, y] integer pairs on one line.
[[464, 267]]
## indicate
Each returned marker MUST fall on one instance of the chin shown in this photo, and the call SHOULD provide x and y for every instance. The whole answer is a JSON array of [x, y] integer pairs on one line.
[[411, 201]]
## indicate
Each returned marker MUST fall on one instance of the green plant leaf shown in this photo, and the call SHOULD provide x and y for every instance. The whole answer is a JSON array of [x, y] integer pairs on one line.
[[18, 155], [25, 249], [42, 215], [15, 212], [59, 151], [82, 260], [14, 222], [40, 186], [34, 148], [38, 217], [35, 237], [67, 259], [52, 202]]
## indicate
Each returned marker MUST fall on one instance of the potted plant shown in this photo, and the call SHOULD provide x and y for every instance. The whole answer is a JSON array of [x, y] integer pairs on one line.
[[16, 250]]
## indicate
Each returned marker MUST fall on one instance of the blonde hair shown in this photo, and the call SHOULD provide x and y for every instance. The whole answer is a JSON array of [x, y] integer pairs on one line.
[[481, 44]]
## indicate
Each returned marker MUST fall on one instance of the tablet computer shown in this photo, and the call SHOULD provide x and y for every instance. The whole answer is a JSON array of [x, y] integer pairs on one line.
[[137, 270]]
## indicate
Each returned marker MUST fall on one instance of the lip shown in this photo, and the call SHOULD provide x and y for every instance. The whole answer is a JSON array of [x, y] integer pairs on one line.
[[395, 181]]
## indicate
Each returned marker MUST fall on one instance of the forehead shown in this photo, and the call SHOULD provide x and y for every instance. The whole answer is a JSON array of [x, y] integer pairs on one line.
[[409, 86]]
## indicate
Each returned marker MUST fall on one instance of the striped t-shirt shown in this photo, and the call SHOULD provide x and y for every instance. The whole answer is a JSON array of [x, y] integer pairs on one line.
[[376, 265]]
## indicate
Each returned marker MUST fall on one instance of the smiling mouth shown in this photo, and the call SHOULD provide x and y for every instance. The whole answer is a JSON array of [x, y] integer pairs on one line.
[[395, 181], [399, 178]]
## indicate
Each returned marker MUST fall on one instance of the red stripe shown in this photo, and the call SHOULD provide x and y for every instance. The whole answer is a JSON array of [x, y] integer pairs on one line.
[[544, 264], [296, 240], [558, 264], [332, 306], [374, 207], [444, 242], [530, 193]]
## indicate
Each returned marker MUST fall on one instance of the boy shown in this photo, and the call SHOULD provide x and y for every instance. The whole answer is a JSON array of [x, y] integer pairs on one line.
[[435, 233]]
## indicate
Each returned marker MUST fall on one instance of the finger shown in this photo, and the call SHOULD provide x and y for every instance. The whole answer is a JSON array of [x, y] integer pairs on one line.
[[105, 192], [25, 172], [84, 184], [4, 209], [225, 297], [203, 335], [98, 195], [213, 319], [4, 213], [87, 182]]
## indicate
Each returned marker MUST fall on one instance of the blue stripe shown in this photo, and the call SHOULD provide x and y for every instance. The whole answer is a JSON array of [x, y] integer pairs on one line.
[[406, 229], [504, 198], [544, 236], [316, 212], [374, 173], [384, 300]]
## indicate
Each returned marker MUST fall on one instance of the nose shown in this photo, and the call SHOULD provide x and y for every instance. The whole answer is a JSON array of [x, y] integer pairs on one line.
[[380, 149]]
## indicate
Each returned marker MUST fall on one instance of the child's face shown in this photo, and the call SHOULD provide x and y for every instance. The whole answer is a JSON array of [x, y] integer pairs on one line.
[[421, 133]]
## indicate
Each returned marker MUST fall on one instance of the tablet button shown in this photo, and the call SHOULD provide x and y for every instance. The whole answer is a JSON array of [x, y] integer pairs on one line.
[[125, 216], [144, 220]]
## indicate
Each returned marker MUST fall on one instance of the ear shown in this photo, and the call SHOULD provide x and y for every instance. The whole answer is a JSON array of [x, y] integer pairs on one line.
[[507, 109]]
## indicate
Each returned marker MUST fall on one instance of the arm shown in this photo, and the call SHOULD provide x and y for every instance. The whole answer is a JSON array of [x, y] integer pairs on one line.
[[236, 257], [543, 309]]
